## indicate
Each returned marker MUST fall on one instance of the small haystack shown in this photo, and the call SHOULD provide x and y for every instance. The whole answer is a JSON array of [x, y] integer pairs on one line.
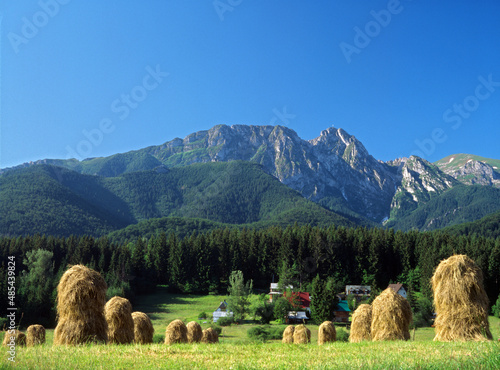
[[460, 301], [176, 332], [35, 335], [143, 328], [118, 313], [301, 334], [326, 333], [194, 332], [81, 296], [288, 334], [361, 324], [391, 317], [209, 336], [14, 338]]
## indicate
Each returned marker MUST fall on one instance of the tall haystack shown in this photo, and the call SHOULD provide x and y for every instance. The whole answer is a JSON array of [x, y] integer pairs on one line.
[[194, 332], [14, 338], [391, 317], [118, 313], [81, 296], [326, 333], [460, 301], [288, 334], [143, 328], [209, 336], [35, 335], [361, 324], [176, 332], [301, 334]]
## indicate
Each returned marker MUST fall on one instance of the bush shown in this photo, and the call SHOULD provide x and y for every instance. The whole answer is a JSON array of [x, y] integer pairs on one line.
[[263, 334], [258, 333], [423, 316], [265, 311], [202, 315], [281, 308], [496, 308], [342, 335], [225, 321]]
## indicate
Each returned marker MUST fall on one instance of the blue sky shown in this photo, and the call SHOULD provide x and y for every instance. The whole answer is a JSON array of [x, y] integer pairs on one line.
[[94, 78]]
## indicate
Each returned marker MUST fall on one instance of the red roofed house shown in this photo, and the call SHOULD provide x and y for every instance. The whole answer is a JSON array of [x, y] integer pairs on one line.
[[304, 301], [399, 289]]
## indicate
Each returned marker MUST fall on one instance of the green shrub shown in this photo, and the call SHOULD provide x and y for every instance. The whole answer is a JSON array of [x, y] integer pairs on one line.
[[276, 332], [225, 321], [496, 308], [263, 334], [342, 335], [202, 315], [258, 333]]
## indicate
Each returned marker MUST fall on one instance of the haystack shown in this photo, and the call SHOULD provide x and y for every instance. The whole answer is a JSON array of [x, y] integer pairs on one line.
[[288, 334], [176, 332], [391, 317], [194, 332], [143, 328], [81, 296], [18, 338], [209, 336], [326, 333], [301, 335], [361, 324], [118, 313], [35, 334], [460, 301]]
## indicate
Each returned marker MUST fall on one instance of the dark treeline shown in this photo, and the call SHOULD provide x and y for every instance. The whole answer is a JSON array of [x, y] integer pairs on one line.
[[202, 263]]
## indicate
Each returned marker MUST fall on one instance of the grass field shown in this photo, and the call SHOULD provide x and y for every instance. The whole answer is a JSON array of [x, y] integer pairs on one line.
[[237, 351]]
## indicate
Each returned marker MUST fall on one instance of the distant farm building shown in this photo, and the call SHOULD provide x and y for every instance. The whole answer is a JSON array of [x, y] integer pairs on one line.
[[358, 290], [222, 311], [399, 289], [342, 312], [275, 293]]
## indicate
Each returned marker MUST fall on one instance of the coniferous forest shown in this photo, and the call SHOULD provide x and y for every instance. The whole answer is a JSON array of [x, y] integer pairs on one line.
[[202, 263]]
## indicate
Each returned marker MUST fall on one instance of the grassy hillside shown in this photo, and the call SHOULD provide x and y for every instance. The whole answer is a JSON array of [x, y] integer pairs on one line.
[[58, 201], [455, 161], [455, 206]]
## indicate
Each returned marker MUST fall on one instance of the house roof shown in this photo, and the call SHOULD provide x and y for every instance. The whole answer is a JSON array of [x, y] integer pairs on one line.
[[395, 287], [343, 306], [223, 305], [303, 297]]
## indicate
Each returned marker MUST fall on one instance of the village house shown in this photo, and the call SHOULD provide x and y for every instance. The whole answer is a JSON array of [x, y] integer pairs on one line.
[[399, 289], [300, 314], [274, 292], [222, 311], [342, 312]]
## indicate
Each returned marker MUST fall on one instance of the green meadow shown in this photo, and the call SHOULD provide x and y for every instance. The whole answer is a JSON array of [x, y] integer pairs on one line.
[[237, 351]]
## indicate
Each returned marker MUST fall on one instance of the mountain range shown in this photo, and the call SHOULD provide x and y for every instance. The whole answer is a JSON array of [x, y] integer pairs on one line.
[[246, 175]]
